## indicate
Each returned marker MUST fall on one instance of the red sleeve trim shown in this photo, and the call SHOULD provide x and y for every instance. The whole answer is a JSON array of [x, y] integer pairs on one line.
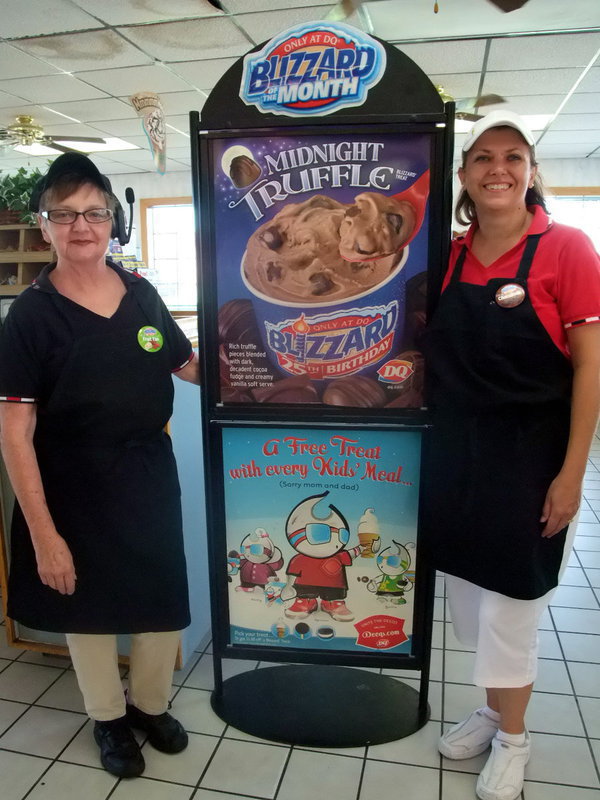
[[185, 363], [585, 321], [11, 399]]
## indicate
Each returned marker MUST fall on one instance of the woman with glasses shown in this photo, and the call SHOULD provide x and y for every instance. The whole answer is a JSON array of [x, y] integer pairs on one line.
[[86, 362]]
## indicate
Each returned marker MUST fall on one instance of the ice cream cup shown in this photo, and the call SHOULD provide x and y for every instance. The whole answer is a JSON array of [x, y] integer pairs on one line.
[[328, 339]]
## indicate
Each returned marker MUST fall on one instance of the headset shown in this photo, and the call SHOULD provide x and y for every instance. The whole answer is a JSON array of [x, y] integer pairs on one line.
[[119, 229], [78, 164]]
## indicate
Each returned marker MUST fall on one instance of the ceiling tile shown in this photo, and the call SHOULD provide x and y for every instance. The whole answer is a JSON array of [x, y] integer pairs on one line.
[[529, 104], [561, 151], [74, 52], [580, 103], [127, 81], [530, 81], [41, 115], [208, 38], [51, 89], [461, 19], [531, 52], [95, 110], [73, 129], [576, 122], [32, 18], [181, 122], [117, 12], [591, 82], [15, 64], [203, 74], [441, 57], [7, 100], [244, 6], [589, 137], [260, 27]]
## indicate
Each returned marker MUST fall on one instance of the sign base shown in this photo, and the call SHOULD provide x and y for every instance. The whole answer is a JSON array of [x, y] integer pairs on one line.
[[320, 706]]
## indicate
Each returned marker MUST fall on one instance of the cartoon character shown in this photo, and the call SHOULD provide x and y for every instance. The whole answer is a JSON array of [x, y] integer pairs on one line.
[[233, 564], [259, 560], [395, 579], [319, 568]]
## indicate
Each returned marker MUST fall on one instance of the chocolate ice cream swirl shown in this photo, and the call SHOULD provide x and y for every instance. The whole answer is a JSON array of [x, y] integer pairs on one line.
[[295, 257], [375, 226]]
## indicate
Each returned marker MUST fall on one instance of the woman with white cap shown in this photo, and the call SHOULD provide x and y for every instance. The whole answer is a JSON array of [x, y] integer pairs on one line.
[[513, 354]]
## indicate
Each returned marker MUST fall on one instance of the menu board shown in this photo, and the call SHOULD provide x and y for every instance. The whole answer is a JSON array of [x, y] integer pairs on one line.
[[321, 537], [321, 251]]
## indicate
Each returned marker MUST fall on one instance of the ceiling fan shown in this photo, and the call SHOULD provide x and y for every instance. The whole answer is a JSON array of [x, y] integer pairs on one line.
[[25, 131], [345, 8], [468, 107]]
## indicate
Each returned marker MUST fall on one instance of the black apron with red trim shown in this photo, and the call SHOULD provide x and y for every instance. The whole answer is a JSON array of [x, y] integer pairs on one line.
[[112, 489], [500, 396]]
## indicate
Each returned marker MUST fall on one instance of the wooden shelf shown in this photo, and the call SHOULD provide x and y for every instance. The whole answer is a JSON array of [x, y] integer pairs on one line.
[[21, 258]]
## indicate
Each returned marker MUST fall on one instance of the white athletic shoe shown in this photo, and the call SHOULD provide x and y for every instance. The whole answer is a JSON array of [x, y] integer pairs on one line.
[[503, 775], [468, 738]]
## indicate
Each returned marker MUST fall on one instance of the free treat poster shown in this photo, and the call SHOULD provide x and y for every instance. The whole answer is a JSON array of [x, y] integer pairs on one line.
[[321, 251], [321, 537]]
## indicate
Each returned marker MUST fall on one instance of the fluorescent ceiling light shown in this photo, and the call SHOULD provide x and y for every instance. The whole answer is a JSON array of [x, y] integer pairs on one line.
[[110, 143]]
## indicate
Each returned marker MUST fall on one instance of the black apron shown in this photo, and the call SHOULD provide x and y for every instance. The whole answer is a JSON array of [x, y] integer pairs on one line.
[[499, 390], [112, 489]]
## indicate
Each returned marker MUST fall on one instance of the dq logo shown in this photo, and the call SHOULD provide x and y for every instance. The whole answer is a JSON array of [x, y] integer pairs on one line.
[[395, 371]]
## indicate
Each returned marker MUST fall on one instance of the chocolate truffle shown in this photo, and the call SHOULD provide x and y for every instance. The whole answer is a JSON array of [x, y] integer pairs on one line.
[[243, 171], [297, 389], [355, 390]]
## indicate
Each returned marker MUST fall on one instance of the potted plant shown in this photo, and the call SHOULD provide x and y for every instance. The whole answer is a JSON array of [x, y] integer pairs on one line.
[[15, 190]]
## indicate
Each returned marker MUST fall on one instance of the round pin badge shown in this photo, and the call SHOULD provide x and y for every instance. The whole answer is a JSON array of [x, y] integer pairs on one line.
[[510, 295], [150, 339]]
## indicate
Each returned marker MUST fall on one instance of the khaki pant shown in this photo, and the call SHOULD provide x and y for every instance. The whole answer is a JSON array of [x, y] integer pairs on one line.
[[151, 665]]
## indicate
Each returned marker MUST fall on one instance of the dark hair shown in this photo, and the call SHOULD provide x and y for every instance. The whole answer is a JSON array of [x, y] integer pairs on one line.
[[465, 211], [66, 185]]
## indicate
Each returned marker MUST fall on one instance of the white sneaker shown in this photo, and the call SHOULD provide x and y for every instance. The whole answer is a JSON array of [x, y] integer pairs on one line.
[[468, 738], [503, 775]]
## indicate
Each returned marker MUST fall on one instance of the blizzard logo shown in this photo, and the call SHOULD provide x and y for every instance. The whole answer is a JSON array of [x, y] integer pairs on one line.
[[395, 371], [336, 344], [312, 69]]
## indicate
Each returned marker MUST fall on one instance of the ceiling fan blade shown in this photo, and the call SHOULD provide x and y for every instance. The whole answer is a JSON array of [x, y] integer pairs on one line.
[[468, 116], [92, 139], [60, 147], [508, 5], [489, 100], [343, 10]]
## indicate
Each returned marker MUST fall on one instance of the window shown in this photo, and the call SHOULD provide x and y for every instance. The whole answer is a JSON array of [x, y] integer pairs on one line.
[[579, 207], [168, 249]]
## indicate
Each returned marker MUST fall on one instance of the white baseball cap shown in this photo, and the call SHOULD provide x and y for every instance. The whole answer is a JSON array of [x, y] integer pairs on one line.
[[497, 119]]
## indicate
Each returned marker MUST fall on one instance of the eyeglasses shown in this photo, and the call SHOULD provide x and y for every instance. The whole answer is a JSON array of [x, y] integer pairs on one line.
[[64, 216]]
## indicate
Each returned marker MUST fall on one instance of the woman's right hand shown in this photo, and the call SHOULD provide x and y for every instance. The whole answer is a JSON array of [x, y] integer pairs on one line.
[[55, 565]]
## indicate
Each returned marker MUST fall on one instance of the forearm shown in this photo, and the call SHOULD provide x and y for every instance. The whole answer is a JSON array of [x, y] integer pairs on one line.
[[585, 407], [23, 471]]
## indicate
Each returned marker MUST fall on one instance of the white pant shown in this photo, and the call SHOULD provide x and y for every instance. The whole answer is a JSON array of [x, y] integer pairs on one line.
[[503, 630], [151, 664]]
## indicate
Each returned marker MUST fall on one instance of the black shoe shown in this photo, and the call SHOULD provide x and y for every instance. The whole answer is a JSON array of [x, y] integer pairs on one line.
[[120, 753], [165, 733]]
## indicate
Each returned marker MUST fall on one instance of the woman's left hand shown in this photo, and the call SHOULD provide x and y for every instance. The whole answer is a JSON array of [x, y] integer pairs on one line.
[[561, 505]]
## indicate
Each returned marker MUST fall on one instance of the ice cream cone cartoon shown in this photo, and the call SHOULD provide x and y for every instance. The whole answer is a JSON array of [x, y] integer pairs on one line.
[[368, 534]]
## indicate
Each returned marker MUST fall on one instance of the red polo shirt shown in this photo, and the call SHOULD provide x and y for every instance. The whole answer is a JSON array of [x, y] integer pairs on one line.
[[564, 280]]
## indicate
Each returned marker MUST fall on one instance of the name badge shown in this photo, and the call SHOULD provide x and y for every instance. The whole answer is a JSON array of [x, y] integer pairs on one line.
[[510, 295], [150, 339]]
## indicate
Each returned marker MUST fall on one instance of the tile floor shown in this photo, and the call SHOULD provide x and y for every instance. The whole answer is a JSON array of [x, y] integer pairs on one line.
[[47, 751]]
